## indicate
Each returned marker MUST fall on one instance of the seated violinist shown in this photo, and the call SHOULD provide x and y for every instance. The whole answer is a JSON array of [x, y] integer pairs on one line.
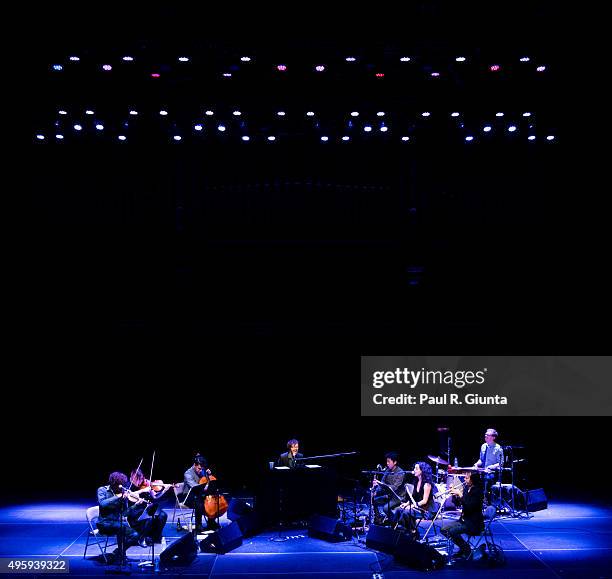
[[150, 530], [195, 499], [114, 507]]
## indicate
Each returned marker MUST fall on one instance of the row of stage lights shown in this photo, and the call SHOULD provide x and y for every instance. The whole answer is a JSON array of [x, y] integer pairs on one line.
[[281, 67], [282, 113], [368, 127], [272, 138]]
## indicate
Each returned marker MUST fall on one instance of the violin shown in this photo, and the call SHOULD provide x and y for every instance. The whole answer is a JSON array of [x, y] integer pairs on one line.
[[214, 505]]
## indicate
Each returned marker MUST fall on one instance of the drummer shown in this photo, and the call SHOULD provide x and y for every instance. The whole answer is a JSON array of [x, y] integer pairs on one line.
[[491, 459]]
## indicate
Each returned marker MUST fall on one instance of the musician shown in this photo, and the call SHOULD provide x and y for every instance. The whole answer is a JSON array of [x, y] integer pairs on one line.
[[113, 499], [150, 530], [422, 499], [391, 492], [195, 500], [491, 458], [472, 520], [288, 458]]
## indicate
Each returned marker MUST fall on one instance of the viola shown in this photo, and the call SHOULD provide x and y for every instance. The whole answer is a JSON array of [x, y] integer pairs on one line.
[[214, 505]]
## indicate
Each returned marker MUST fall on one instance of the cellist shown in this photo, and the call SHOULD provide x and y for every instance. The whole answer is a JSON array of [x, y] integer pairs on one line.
[[195, 500]]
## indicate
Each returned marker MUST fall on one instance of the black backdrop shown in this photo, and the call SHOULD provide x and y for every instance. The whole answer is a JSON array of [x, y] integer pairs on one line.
[[85, 421]]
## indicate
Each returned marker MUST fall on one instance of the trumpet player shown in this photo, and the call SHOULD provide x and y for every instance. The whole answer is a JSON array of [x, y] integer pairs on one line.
[[471, 521]]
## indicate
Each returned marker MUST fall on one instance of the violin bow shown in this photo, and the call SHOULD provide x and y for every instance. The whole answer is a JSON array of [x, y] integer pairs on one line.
[[137, 469], [152, 463]]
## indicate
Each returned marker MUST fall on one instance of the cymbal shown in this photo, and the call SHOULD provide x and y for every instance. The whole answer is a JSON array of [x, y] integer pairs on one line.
[[437, 459]]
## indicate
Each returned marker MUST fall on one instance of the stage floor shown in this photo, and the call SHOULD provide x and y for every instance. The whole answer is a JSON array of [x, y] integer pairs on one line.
[[566, 541]]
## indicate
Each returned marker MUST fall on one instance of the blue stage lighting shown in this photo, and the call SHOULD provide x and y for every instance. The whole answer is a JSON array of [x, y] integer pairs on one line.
[[345, 138], [384, 129], [550, 138], [128, 58], [469, 138], [122, 137], [99, 127], [367, 129], [40, 137], [198, 127], [350, 59], [221, 128], [209, 113], [89, 112], [246, 138], [405, 59], [236, 113], [499, 114], [354, 114], [133, 112], [310, 114], [57, 67], [531, 138], [405, 139], [380, 114], [325, 139], [487, 129], [183, 59], [425, 114], [512, 128], [454, 114], [271, 138], [460, 59], [59, 137], [245, 58], [177, 137], [75, 58], [163, 113], [78, 128]]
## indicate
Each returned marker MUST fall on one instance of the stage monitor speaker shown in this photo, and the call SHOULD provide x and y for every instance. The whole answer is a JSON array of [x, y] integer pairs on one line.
[[383, 539], [329, 529], [536, 500], [181, 553], [224, 540], [243, 513], [417, 555]]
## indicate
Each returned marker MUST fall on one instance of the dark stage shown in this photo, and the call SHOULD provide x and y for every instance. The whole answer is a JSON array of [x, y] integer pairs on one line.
[[569, 540]]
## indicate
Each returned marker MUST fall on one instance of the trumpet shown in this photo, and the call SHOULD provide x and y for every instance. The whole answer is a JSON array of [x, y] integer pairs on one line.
[[456, 486]]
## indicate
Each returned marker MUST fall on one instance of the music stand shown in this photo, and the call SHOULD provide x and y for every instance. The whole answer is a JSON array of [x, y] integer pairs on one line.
[[145, 516]]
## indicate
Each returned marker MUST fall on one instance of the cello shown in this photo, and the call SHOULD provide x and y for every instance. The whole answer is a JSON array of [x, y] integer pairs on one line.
[[215, 504]]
